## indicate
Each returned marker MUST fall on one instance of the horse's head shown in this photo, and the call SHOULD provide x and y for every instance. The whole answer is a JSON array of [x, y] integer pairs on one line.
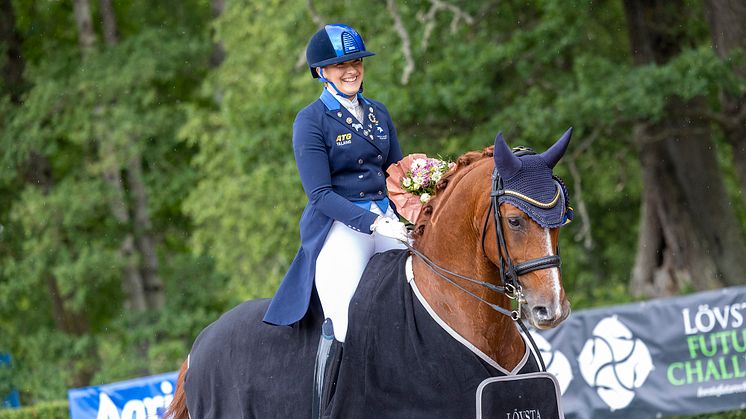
[[532, 204]]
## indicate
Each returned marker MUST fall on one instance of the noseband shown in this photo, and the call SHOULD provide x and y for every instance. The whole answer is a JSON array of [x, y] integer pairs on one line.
[[509, 273]]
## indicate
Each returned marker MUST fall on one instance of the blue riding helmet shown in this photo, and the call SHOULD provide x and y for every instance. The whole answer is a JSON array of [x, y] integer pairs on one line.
[[334, 44]]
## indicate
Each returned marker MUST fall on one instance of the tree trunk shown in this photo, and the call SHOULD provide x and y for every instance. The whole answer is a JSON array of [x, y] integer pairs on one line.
[[111, 34], [727, 20], [153, 286], [670, 254], [689, 235], [12, 71], [133, 282], [151, 283], [86, 36], [75, 324], [217, 55]]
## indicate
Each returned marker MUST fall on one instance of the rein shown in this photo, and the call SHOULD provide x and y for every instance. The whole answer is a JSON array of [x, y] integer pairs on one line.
[[509, 272]]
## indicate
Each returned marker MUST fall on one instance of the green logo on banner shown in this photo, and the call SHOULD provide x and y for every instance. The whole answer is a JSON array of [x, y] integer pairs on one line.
[[716, 343]]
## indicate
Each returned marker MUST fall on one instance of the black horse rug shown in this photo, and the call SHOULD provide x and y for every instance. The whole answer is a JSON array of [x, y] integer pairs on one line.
[[399, 359]]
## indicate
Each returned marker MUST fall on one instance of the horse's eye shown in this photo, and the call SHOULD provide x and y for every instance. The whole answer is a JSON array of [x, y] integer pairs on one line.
[[514, 222]]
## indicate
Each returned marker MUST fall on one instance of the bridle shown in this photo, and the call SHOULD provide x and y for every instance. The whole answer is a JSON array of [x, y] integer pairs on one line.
[[509, 273]]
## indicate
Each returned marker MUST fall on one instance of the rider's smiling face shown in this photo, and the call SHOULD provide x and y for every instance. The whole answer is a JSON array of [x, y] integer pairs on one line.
[[347, 76]]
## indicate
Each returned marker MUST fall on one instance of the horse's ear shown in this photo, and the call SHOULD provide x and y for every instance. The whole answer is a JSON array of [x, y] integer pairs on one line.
[[555, 152], [506, 163]]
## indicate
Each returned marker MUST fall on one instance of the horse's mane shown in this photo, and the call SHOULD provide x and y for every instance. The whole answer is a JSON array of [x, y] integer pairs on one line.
[[464, 161]]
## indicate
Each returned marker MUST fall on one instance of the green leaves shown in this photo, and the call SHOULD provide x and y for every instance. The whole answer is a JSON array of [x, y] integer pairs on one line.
[[61, 264], [65, 239]]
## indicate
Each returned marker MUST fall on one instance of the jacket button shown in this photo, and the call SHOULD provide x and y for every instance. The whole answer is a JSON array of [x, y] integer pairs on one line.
[[362, 194], [359, 161], [379, 157], [380, 192], [380, 174]]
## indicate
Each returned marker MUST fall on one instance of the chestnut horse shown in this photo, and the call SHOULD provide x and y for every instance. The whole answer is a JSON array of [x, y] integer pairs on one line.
[[485, 256]]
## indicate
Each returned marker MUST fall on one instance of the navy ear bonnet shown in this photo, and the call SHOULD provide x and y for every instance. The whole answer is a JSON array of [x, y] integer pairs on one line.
[[528, 182], [333, 44]]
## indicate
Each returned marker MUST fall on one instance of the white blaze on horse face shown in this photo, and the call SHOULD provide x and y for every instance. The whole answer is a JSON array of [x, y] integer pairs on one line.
[[554, 273]]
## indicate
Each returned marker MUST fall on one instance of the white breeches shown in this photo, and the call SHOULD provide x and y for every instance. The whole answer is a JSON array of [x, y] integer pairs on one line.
[[341, 263]]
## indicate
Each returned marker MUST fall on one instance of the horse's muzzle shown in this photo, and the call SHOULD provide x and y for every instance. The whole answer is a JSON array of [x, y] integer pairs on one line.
[[548, 316]]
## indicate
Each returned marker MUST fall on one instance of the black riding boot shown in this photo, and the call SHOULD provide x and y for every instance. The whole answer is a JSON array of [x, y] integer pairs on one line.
[[328, 358]]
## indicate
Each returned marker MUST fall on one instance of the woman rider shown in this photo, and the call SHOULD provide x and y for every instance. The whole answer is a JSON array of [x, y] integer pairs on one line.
[[343, 143]]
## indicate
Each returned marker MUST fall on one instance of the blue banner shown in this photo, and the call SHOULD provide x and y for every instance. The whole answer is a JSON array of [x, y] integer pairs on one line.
[[141, 398], [11, 399]]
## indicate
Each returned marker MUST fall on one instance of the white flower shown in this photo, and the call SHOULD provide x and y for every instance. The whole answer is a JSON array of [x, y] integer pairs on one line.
[[424, 198], [418, 164], [406, 182], [418, 181], [436, 176]]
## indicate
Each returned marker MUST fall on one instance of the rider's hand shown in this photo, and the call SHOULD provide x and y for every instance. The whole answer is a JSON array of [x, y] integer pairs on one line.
[[389, 227]]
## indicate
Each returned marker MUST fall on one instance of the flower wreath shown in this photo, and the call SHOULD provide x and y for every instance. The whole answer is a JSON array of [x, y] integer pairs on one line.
[[411, 183]]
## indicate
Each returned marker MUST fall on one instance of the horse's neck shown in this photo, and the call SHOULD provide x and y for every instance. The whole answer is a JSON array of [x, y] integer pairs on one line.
[[491, 332]]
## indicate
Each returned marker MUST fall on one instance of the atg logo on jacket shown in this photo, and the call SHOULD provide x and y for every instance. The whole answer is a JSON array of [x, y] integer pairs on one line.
[[344, 139]]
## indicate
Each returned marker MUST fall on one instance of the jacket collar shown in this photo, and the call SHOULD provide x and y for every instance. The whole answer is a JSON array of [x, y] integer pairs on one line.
[[332, 104]]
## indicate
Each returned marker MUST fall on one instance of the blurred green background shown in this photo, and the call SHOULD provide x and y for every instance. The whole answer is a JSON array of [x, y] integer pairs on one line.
[[147, 182]]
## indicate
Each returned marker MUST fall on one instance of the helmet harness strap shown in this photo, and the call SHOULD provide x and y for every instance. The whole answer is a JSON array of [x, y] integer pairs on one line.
[[324, 80]]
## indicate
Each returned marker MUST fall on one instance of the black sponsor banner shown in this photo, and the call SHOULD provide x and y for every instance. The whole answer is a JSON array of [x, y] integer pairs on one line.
[[674, 356]]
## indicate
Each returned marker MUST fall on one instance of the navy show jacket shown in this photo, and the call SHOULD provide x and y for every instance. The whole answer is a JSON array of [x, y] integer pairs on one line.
[[340, 161]]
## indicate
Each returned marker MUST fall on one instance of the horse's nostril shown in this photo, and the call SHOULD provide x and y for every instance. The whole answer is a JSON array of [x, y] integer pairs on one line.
[[541, 312]]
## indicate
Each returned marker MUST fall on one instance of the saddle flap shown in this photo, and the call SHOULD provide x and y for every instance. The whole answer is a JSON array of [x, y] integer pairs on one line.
[[532, 395]]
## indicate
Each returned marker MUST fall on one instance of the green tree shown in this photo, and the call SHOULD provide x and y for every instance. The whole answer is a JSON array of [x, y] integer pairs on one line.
[[80, 123], [675, 248]]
